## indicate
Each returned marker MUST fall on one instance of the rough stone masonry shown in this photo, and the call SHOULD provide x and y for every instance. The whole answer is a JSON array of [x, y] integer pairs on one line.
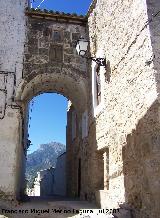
[[128, 34], [118, 161]]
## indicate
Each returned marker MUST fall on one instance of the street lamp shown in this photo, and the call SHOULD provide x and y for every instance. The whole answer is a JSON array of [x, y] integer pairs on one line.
[[82, 47]]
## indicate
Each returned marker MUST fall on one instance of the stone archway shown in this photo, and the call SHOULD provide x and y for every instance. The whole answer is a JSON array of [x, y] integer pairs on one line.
[[75, 89], [46, 62], [51, 63], [69, 85]]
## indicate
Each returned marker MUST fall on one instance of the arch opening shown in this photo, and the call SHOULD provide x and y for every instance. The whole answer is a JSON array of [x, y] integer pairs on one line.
[[75, 91], [45, 140], [68, 86]]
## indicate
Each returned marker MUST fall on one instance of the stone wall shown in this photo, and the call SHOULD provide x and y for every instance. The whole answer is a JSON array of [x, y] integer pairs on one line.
[[72, 147], [46, 183], [77, 156], [51, 63], [128, 122]]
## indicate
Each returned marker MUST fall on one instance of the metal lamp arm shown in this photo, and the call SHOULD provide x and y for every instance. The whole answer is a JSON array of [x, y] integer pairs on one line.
[[99, 61]]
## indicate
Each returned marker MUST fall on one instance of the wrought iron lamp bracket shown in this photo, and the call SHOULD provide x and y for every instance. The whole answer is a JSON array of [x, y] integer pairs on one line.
[[99, 61]]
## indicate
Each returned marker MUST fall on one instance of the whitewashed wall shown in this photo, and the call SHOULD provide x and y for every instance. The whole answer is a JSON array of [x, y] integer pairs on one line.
[[12, 38]]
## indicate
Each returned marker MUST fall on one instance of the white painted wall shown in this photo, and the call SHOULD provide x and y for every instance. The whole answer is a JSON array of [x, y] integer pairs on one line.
[[37, 189], [12, 38]]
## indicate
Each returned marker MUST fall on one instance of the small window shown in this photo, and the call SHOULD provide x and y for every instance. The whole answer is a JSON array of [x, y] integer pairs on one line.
[[57, 36], [98, 82], [98, 85]]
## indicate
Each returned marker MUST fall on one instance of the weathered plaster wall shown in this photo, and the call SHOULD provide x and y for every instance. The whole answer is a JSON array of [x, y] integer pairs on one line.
[[9, 143], [129, 122], [59, 185], [12, 38]]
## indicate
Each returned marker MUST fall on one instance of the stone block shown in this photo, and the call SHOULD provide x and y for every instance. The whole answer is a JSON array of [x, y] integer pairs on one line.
[[33, 46], [75, 36], [56, 53], [68, 58], [43, 51], [67, 36]]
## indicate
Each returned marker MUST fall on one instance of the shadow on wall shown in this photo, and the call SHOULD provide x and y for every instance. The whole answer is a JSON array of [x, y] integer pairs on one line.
[[96, 179], [94, 162], [141, 155], [153, 10], [96, 165], [141, 161]]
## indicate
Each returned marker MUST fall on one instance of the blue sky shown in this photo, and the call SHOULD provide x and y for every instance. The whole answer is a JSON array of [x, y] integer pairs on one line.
[[48, 117], [67, 6]]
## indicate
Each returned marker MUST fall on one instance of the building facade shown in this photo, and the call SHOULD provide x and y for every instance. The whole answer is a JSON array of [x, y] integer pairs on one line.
[[43, 183], [113, 125], [51, 181]]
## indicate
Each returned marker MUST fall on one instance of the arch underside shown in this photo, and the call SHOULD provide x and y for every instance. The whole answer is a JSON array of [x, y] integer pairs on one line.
[[75, 89]]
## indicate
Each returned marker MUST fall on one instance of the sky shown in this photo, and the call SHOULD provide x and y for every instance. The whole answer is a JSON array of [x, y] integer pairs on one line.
[[48, 119], [48, 116], [67, 6]]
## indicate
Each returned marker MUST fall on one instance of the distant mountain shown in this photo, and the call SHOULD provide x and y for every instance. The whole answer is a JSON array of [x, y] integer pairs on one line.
[[43, 158]]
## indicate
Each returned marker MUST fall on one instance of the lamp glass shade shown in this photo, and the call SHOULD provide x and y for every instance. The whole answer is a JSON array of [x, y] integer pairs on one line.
[[82, 46]]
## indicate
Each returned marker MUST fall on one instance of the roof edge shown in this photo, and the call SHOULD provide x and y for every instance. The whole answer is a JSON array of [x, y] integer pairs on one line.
[[55, 14], [91, 7]]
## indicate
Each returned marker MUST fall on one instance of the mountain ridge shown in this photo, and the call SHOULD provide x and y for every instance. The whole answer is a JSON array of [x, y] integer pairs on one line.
[[43, 158]]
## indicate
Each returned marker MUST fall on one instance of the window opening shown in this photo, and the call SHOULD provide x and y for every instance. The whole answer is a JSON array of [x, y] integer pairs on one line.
[[98, 85]]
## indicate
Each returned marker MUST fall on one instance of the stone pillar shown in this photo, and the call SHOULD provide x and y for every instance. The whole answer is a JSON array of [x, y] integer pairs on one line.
[[106, 170]]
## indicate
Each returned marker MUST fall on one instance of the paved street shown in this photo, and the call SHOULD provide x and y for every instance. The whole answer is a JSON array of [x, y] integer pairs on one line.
[[51, 208]]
